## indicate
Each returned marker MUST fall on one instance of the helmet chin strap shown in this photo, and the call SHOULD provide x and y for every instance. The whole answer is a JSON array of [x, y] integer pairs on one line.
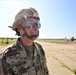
[[30, 37]]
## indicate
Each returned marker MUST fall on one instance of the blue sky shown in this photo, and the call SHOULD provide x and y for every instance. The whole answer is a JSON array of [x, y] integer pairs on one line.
[[57, 17]]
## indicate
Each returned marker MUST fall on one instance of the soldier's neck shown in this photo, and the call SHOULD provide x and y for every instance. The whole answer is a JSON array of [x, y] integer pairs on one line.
[[26, 41]]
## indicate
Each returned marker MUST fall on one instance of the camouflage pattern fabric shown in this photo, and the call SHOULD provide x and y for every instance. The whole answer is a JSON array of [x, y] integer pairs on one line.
[[15, 61]]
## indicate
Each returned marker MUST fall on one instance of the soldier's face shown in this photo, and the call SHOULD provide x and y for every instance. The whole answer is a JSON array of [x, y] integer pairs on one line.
[[32, 27]]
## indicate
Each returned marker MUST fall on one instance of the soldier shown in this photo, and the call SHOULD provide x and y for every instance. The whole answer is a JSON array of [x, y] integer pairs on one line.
[[25, 57]]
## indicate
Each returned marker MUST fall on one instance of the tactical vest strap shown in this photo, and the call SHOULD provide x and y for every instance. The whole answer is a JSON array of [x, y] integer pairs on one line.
[[40, 49], [39, 64]]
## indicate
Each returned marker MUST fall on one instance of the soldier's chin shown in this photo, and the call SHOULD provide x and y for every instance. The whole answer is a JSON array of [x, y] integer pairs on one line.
[[34, 36]]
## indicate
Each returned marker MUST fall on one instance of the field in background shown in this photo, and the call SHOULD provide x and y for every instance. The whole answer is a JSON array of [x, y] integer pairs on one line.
[[59, 41], [7, 41]]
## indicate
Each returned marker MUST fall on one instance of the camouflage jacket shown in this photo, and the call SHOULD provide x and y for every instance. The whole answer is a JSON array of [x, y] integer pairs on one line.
[[16, 62]]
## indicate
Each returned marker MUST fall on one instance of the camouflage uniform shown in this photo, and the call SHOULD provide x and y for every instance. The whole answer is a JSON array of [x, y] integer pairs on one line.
[[16, 61]]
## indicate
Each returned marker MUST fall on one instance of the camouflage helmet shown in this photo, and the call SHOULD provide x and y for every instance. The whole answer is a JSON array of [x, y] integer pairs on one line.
[[23, 15]]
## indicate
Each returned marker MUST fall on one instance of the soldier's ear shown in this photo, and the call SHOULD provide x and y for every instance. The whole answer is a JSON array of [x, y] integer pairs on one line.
[[19, 28]]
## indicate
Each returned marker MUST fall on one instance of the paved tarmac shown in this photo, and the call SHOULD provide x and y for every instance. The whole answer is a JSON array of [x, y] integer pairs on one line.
[[61, 58]]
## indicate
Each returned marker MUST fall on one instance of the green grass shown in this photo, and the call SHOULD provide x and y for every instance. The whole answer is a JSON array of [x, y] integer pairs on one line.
[[74, 71], [4, 43], [57, 41]]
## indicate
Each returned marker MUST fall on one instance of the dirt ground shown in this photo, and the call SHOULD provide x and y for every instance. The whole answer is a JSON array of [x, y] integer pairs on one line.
[[61, 58]]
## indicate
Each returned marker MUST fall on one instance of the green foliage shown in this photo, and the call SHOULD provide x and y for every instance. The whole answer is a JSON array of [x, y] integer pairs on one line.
[[72, 39]]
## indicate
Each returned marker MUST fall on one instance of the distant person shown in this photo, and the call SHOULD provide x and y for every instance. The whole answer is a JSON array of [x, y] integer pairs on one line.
[[25, 57]]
